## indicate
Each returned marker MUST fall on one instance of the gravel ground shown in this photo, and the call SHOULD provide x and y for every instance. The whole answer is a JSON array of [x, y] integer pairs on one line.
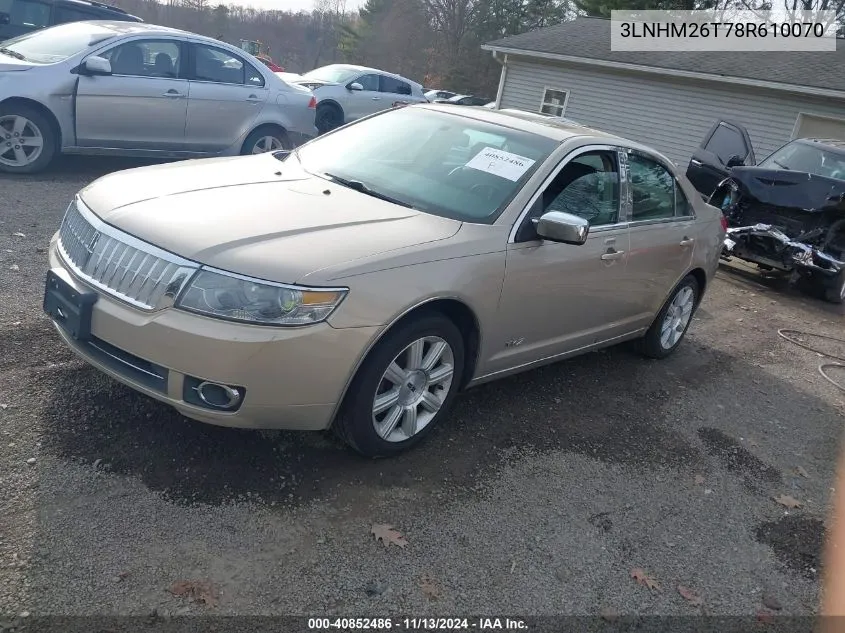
[[540, 496]]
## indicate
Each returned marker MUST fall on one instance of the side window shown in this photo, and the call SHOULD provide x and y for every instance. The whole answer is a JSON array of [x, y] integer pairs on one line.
[[652, 189], [217, 66], [64, 14], [25, 13], [254, 77], [588, 186], [389, 84], [145, 58], [370, 82], [726, 142]]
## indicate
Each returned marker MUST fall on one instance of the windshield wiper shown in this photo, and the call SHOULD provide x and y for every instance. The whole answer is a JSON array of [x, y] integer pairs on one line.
[[357, 185], [11, 53], [781, 165]]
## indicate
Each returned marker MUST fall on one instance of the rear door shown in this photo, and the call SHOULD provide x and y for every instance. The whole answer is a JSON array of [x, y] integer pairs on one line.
[[394, 91], [726, 145], [662, 233], [141, 105], [226, 95]]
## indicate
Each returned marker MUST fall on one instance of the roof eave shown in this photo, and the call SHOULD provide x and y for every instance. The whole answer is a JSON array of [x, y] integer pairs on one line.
[[670, 72]]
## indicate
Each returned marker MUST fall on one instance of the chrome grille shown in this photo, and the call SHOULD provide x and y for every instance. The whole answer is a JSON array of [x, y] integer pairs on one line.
[[119, 264]]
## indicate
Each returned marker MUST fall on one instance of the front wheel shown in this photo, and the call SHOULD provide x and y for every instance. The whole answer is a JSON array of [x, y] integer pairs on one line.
[[328, 118], [671, 324], [27, 140], [404, 387]]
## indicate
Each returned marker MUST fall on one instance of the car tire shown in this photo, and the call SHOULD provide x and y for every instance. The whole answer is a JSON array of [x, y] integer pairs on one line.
[[671, 324], [375, 418], [266, 139], [329, 116], [34, 125]]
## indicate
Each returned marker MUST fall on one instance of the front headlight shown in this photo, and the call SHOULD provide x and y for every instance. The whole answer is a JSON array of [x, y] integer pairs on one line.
[[242, 299]]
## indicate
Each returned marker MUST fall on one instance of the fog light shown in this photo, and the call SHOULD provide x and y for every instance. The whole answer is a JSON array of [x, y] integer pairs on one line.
[[212, 395]]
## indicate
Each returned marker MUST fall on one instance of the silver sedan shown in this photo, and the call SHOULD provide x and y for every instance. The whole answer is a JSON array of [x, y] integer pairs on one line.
[[142, 90]]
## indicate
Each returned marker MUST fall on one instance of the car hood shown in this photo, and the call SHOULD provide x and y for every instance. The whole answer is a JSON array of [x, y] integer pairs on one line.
[[794, 189], [257, 216]]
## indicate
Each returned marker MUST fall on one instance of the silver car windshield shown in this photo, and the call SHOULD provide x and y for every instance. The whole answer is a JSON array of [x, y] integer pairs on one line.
[[798, 156], [333, 74], [441, 163], [56, 44]]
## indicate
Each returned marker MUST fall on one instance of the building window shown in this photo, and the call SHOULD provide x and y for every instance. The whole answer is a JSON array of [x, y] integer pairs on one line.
[[554, 102]]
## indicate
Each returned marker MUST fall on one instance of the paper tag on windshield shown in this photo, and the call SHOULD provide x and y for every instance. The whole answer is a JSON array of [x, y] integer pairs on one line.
[[501, 163]]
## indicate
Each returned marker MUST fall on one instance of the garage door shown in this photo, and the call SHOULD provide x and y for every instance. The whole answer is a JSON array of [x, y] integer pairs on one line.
[[815, 126]]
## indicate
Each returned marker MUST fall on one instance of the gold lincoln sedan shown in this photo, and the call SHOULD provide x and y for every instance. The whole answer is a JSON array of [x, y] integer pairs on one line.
[[362, 280]]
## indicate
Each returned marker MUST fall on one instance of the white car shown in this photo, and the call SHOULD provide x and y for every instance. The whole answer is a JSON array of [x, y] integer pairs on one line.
[[346, 93]]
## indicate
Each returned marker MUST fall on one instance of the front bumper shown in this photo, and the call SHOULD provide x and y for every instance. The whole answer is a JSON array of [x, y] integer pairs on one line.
[[292, 378]]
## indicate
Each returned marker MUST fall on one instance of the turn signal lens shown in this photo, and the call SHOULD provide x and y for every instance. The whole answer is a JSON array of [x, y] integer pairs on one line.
[[313, 102], [724, 223]]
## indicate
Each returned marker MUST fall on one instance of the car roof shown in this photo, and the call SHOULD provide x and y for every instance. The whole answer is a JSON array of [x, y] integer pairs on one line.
[[356, 67], [542, 125], [122, 27]]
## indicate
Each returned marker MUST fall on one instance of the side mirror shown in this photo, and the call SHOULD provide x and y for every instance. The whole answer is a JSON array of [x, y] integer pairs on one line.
[[735, 161], [355, 86], [557, 226], [96, 66]]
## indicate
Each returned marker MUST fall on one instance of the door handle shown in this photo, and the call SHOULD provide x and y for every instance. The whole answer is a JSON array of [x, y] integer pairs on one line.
[[695, 162], [612, 255], [376, 98], [253, 99], [173, 94], [687, 241]]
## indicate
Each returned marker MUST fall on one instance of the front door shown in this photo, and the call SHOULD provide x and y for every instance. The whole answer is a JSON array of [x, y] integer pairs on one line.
[[662, 233], [726, 145], [361, 103], [557, 298], [226, 95], [141, 105]]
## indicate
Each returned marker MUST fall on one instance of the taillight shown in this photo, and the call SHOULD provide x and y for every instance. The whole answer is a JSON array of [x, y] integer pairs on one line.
[[724, 223], [313, 102]]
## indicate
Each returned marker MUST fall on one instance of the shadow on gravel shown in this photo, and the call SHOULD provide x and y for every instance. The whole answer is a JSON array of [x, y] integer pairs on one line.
[[797, 542], [72, 168], [612, 406]]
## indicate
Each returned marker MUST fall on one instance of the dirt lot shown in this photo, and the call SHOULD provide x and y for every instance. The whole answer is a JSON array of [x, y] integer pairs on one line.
[[540, 495]]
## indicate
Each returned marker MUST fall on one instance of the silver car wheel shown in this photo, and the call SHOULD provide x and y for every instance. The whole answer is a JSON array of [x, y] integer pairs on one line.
[[21, 141], [267, 144], [677, 317], [413, 388]]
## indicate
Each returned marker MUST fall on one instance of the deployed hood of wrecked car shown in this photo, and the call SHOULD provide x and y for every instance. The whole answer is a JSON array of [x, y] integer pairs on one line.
[[794, 189]]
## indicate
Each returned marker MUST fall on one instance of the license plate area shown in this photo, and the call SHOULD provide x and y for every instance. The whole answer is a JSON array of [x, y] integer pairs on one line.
[[68, 307]]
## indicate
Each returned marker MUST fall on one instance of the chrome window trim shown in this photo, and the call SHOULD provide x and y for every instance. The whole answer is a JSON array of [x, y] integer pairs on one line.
[[564, 161]]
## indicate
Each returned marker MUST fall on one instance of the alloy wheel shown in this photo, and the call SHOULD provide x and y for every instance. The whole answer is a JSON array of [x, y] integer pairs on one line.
[[21, 141], [267, 144], [677, 317], [413, 388]]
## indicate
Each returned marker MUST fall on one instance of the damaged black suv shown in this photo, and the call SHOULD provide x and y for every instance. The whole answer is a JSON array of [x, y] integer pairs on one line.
[[787, 213]]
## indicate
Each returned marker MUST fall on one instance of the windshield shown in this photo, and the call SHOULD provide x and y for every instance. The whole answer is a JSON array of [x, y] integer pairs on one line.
[[800, 156], [440, 163], [334, 74], [55, 44]]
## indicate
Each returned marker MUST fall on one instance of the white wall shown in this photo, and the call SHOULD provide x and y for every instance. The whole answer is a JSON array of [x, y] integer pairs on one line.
[[672, 115]]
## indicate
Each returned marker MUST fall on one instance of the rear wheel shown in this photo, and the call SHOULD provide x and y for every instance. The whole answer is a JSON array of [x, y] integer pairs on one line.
[[328, 117], [266, 139], [404, 387], [27, 140], [671, 324]]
